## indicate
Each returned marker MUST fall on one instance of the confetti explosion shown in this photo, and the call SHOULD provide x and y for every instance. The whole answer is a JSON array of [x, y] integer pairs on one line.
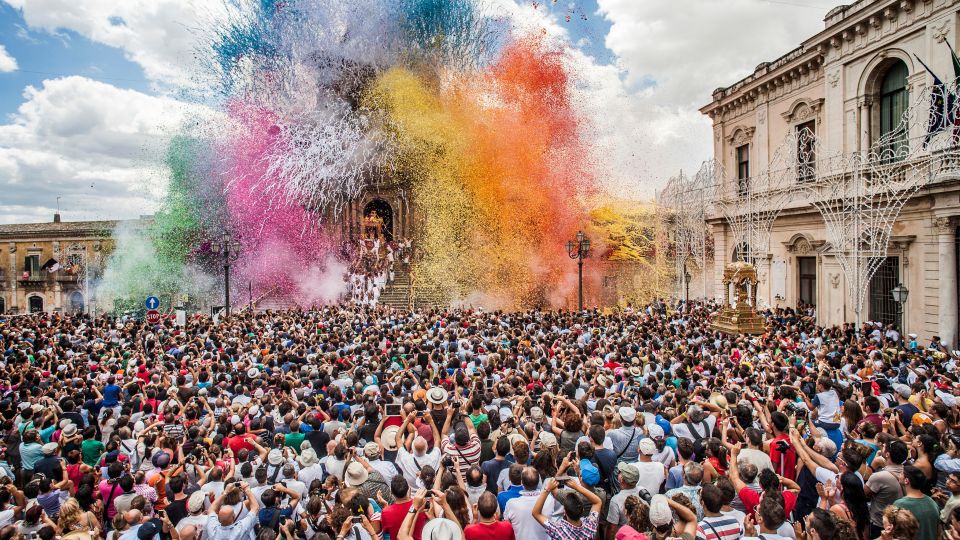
[[322, 99]]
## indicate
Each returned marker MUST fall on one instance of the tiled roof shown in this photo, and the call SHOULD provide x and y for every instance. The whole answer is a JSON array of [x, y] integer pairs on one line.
[[63, 228]]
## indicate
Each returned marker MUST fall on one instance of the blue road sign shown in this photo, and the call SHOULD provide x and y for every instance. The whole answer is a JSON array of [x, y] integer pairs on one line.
[[152, 302]]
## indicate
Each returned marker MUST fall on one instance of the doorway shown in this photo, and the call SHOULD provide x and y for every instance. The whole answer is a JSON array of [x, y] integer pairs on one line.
[[882, 306], [378, 220], [35, 304], [76, 302], [807, 279]]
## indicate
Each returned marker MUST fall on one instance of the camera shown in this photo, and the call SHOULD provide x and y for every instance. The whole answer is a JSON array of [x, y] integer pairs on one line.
[[357, 519], [782, 446], [447, 462], [236, 485], [645, 495]]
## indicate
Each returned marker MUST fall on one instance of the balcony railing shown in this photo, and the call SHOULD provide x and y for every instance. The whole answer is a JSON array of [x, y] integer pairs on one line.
[[35, 279], [65, 277]]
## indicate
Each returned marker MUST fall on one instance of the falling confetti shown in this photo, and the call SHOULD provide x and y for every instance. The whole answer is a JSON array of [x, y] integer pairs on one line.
[[322, 99]]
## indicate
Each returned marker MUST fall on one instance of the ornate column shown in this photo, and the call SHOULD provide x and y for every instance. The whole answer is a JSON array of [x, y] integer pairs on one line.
[[947, 280], [863, 111]]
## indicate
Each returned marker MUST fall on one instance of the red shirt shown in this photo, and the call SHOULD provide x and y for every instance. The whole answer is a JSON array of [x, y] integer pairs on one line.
[[240, 442], [751, 499], [501, 530], [789, 458], [392, 517]]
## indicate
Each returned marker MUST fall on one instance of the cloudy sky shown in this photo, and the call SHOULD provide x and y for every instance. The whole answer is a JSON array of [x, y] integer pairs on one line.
[[88, 90]]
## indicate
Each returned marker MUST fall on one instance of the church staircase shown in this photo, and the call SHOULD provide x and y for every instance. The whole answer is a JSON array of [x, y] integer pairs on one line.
[[397, 292]]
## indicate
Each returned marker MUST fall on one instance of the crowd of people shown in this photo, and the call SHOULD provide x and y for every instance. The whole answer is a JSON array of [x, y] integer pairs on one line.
[[374, 264], [353, 422]]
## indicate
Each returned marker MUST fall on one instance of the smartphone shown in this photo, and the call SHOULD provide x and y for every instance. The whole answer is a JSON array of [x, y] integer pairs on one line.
[[393, 409], [488, 382]]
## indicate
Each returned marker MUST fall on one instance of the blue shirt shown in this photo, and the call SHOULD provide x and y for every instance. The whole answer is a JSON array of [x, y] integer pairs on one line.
[[512, 493], [111, 395]]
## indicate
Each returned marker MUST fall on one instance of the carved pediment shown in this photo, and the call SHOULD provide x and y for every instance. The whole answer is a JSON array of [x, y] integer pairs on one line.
[[800, 244], [741, 135], [803, 110]]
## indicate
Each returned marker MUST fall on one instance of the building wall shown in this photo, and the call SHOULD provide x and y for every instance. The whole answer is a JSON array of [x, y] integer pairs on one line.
[[833, 78], [86, 242], [56, 288]]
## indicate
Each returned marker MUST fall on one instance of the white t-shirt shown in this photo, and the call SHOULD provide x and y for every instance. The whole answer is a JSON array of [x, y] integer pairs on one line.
[[6, 517], [682, 431], [757, 457], [519, 512], [652, 475], [308, 474], [828, 409], [410, 466]]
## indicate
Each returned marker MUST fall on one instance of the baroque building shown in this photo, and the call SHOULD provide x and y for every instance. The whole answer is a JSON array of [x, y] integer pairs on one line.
[[849, 86], [48, 267]]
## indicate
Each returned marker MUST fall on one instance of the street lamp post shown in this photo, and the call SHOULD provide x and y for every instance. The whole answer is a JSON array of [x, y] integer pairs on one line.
[[229, 247], [686, 281], [900, 294], [579, 249]]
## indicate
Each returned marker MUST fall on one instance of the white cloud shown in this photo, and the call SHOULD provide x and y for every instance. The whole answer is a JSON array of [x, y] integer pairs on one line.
[[159, 35], [93, 144], [7, 62], [671, 58]]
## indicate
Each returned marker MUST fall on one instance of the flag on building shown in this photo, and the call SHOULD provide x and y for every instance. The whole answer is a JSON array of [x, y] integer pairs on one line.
[[954, 101], [956, 61], [51, 266], [941, 106]]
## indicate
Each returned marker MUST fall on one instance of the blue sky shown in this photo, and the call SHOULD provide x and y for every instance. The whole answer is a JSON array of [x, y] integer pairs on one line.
[[42, 55]]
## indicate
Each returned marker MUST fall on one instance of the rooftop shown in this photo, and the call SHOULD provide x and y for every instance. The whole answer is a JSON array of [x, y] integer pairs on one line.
[[66, 228]]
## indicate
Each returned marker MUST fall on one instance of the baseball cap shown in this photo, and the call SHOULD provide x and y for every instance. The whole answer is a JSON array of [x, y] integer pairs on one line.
[[660, 513], [629, 472], [195, 502], [647, 447], [589, 473], [148, 530]]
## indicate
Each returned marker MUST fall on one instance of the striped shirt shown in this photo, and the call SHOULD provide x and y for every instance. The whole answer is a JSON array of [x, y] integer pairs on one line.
[[561, 529], [468, 454], [719, 528]]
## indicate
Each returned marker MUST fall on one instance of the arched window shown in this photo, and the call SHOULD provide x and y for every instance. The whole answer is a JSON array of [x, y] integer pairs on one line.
[[894, 100]]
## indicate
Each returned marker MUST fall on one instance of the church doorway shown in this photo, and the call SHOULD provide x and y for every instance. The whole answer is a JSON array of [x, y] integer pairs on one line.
[[35, 304], [378, 220]]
